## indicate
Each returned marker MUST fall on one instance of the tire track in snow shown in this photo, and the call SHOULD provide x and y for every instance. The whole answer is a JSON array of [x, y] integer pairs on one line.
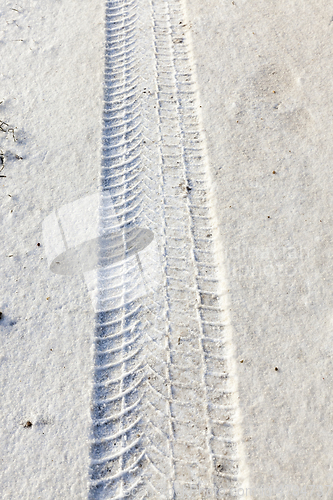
[[117, 451], [163, 403]]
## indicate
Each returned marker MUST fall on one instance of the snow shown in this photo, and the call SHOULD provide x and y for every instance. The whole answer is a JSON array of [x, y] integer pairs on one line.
[[51, 88], [265, 78], [263, 74]]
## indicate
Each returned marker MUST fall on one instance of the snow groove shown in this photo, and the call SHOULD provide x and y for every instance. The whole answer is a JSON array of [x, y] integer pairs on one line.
[[163, 402], [202, 403], [117, 451]]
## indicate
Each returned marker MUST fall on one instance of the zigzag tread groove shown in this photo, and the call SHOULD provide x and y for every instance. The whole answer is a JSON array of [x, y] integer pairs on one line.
[[161, 380]]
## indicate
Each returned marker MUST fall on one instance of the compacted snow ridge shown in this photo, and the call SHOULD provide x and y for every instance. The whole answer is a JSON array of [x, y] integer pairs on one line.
[[163, 405]]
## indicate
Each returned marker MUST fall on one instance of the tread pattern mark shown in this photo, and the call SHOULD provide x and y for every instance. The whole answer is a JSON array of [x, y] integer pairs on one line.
[[191, 458], [211, 309], [204, 461], [118, 452], [163, 402]]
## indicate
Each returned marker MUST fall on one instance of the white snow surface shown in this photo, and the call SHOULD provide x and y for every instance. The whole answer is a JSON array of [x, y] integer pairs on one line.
[[52, 64], [264, 71], [264, 78]]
